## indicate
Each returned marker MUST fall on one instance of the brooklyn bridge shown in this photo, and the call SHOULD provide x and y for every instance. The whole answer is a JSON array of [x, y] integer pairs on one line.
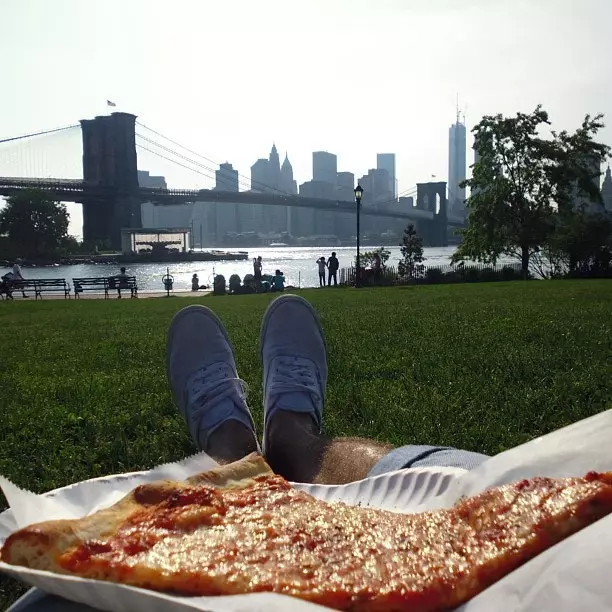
[[111, 196]]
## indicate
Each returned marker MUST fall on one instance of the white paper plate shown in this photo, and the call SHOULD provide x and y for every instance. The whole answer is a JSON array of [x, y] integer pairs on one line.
[[402, 491]]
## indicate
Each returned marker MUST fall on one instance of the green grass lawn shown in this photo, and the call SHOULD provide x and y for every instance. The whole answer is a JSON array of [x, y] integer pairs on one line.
[[482, 367]]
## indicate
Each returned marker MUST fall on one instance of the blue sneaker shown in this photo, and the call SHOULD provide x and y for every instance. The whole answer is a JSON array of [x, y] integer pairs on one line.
[[202, 374], [294, 359]]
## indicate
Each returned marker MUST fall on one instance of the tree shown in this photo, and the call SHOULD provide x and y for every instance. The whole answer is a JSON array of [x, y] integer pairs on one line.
[[411, 264], [34, 225], [520, 181], [582, 244], [367, 259]]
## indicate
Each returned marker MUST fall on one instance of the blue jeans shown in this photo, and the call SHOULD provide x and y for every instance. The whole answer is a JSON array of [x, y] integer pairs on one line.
[[426, 456]]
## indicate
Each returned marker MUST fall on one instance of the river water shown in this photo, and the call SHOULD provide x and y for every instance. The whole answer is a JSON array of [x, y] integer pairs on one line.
[[298, 264]]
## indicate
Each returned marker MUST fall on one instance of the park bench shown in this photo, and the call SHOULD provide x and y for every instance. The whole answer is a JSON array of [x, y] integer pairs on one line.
[[38, 286], [50, 285], [43, 285], [9, 287], [105, 284], [94, 284], [122, 284]]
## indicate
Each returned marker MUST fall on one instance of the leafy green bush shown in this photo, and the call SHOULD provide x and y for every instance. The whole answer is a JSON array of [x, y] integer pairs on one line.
[[434, 275], [234, 283]]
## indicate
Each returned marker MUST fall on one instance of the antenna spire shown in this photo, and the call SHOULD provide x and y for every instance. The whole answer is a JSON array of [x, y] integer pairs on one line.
[[457, 106]]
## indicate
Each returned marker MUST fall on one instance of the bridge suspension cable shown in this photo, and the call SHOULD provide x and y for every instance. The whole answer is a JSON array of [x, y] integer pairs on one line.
[[174, 161], [204, 169], [245, 180], [66, 127], [176, 154]]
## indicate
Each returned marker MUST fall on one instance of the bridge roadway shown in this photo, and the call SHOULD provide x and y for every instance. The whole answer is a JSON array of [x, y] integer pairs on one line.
[[76, 190]]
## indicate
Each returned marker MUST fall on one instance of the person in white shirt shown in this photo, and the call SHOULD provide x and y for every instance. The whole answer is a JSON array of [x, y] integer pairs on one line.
[[322, 267], [17, 278]]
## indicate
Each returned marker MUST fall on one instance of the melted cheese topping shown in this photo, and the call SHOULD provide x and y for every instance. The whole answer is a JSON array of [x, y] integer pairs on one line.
[[271, 537]]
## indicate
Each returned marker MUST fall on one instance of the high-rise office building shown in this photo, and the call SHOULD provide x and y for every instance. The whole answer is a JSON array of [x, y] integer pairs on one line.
[[324, 167], [606, 190], [376, 194], [267, 176], [456, 167], [154, 182], [226, 178], [274, 169], [386, 161], [345, 221], [286, 183], [223, 218], [260, 175]]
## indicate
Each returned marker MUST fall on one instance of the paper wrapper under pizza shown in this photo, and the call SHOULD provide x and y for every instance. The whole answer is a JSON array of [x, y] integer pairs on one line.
[[571, 575]]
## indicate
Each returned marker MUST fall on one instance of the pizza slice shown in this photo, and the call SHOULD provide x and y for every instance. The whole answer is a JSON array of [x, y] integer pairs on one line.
[[242, 529]]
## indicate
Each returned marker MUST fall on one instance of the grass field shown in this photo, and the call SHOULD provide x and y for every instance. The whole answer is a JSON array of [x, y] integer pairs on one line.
[[482, 367]]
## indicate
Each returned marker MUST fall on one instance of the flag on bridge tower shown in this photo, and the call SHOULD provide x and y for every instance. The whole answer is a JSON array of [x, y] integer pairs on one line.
[[109, 103]]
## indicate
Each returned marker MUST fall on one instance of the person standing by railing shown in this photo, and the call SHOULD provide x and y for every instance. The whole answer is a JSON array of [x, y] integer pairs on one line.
[[332, 265], [322, 265]]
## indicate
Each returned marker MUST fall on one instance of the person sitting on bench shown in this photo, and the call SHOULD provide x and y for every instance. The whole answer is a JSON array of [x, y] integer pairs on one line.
[[121, 279]]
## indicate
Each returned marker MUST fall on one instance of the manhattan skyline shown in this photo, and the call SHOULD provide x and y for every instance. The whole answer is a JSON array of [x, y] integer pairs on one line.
[[351, 77]]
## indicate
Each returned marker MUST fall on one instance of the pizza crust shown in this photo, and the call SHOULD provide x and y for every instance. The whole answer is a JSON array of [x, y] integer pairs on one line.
[[38, 546]]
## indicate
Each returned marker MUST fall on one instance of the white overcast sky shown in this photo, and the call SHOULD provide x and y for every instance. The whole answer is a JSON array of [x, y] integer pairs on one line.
[[228, 78]]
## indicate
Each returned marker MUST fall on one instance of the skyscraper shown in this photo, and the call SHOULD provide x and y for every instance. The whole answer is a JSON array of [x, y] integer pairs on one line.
[[259, 175], [345, 221], [606, 190], [324, 167], [274, 169], [386, 161], [286, 183], [267, 176], [456, 167], [226, 178]]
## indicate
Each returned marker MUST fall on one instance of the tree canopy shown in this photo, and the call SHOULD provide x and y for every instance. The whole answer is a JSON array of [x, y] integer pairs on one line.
[[34, 226], [411, 264], [521, 179]]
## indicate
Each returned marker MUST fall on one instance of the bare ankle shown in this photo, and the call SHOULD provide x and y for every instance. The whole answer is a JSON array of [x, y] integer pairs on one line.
[[294, 446], [230, 442]]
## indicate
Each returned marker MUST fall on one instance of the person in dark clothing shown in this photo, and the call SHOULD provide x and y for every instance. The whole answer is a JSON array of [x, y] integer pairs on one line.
[[332, 265], [257, 272]]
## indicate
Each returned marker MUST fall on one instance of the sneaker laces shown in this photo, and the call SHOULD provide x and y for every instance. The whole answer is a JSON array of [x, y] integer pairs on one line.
[[294, 375], [211, 386]]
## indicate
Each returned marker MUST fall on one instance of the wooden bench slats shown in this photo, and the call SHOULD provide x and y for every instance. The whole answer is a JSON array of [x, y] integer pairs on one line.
[[106, 283], [41, 285]]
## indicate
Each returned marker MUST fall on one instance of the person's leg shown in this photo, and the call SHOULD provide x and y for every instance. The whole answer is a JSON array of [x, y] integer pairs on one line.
[[23, 293], [295, 376], [205, 385], [426, 456], [335, 278], [297, 450]]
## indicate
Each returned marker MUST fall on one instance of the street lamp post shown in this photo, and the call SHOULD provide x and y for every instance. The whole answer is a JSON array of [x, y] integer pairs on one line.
[[358, 194]]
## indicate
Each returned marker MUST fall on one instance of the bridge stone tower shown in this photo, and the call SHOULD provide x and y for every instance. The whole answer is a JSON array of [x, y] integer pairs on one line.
[[110, 169], [432, 198]]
